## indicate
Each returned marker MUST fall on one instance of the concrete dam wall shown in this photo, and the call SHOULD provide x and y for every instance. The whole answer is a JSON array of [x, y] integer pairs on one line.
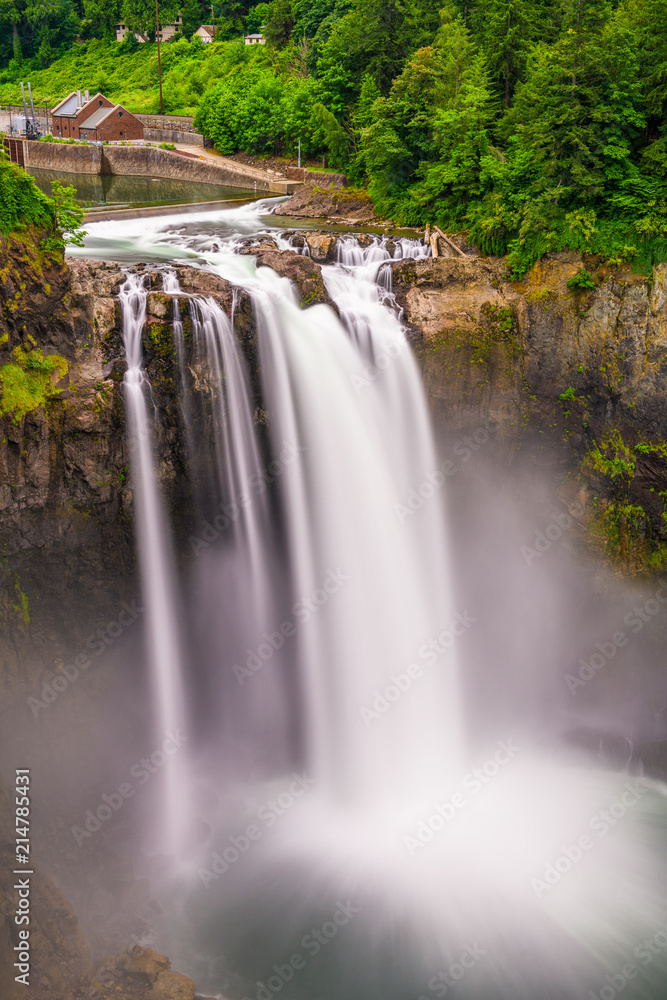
[[148, 161]]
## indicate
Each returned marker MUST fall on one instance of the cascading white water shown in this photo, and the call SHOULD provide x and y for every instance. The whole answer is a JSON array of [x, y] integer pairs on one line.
[[390, 828], [157, 572]]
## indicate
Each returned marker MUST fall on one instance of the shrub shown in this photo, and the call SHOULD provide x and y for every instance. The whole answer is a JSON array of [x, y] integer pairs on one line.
[[581, 281]]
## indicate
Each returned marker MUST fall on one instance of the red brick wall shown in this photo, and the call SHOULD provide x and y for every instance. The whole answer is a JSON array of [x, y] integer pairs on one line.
[[62, 127], [114, 129], [87, 111]]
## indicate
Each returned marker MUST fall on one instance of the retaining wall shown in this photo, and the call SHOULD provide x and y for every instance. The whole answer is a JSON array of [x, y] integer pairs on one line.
[[74, 159], [167, 135], [182, 123], [147, 161]]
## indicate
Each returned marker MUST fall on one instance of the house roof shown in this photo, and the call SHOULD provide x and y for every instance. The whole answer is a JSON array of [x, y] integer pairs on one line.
[[95, 118], [210, 28], [98, 116], [68, 106], [95, 97]]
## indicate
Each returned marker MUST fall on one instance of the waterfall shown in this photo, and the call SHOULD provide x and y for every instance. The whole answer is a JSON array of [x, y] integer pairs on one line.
[[328, 633], [157, 573], [240, 516]]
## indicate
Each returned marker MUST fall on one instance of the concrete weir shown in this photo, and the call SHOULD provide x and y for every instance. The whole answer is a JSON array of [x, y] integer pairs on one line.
[[152, 162]]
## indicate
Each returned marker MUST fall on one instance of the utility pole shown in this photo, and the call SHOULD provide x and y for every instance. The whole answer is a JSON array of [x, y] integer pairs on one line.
[[159, 65], [212, 20], [299, 152]]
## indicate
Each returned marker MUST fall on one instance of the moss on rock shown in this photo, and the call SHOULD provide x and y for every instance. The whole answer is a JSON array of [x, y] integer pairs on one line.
[[29, 380]]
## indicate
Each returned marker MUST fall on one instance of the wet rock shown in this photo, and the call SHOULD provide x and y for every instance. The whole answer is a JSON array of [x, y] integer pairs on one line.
[[302, 271], [322, 247], [540, 362], [139, 974], [339, 204]]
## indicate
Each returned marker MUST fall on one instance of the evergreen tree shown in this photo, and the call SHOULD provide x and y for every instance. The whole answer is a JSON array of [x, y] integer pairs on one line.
[[411, 125], [505, 31]]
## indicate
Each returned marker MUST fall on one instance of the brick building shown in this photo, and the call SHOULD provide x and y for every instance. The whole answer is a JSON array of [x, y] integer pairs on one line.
[[111, 125], [94, 118], [69, 115]]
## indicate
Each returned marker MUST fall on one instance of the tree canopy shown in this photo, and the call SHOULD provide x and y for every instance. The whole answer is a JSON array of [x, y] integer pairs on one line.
[[533, 125]]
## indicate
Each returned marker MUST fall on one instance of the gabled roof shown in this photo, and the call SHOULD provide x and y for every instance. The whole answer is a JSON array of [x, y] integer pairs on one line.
[[94, 98], [98, 116], [210, 28], [95, 118], [68, 106]]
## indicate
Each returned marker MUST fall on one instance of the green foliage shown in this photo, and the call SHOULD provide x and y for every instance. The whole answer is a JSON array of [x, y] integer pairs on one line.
[[568, 396], [127, 74], [23, 606], [29, 380], [253, 109], [581, 281], [258, 17], [280, 23], [426, 145], [21, 202], [623, 526], [645, 448], [100, 18], [139, 15], [533, 125], [191, 14], [611, 457], [67, 219]]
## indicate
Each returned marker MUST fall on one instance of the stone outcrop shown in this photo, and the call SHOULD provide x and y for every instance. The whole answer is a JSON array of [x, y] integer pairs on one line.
[[543, 362], [302, 271], [330, 202], [139, 974]]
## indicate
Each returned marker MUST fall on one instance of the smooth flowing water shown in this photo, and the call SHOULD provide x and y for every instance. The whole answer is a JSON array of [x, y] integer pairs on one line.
[[156, 567], [357, 842]]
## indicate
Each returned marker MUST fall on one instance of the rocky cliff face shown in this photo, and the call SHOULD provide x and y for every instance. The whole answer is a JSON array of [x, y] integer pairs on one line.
[[544, 363]]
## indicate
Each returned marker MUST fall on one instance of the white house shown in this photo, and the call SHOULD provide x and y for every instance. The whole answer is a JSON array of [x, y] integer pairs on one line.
[[255, 40], [206, 32], [167, 31]]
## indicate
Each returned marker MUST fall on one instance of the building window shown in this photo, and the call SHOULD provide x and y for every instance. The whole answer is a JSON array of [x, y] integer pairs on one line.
[[100, 103], [120, 114]]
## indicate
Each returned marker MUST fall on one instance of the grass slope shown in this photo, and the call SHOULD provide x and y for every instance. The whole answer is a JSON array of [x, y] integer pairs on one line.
[[127, 77]]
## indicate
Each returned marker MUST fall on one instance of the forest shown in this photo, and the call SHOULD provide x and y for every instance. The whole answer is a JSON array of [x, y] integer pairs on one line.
[[532, 125]]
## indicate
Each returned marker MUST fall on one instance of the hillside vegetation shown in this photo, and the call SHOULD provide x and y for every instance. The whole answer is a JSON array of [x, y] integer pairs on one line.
[[22, 204], [127, 74], [534, 125]]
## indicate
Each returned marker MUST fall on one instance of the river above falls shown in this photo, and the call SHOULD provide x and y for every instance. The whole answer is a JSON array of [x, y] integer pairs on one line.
[[120, 190], [190, 235]]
